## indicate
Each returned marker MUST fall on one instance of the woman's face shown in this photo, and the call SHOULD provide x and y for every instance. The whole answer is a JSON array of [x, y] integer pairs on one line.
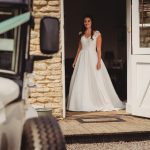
[[87, 22]]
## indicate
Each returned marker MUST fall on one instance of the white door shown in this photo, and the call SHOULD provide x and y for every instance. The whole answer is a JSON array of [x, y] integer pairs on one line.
[[139, 58]]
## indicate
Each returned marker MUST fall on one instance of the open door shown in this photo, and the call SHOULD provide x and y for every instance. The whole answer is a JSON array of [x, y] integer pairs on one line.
[[139, 60]]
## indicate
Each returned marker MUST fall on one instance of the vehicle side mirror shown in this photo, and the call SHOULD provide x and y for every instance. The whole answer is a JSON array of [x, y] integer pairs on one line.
[[49, 35]]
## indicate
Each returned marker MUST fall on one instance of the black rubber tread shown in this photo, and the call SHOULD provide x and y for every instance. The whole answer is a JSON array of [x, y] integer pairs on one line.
[[4, 142], [42, 133]]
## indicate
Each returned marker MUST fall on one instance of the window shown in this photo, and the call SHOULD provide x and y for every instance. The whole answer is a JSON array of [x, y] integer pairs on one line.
[[141, 27], [8, 45], [144, 18]]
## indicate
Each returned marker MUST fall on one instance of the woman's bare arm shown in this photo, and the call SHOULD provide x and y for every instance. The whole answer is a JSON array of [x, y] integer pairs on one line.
[[78, 51], [98, 46]]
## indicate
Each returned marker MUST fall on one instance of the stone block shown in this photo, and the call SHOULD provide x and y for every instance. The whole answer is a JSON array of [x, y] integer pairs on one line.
[[40, 2], [42, 90], [35, 95], [42, 100], [40, 66], [54, 3]]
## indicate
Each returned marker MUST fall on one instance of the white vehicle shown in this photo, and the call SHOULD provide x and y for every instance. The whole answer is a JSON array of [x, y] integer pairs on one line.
[[19, 128]]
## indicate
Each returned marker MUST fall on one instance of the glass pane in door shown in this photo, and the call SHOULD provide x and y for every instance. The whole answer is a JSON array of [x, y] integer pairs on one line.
[[144, 24], [144, 9]]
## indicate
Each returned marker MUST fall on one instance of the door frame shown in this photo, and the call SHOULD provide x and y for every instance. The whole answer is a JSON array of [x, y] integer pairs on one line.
[[129, 56], [62, 39], [129, 52]]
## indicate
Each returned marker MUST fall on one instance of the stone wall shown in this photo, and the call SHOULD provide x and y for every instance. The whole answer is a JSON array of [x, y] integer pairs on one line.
[[47, 75]]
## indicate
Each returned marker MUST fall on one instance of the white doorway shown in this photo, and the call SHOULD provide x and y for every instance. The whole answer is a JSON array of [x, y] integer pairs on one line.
[[110, 20]]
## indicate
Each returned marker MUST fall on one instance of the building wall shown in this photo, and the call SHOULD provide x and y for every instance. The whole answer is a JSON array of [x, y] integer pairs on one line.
[[47, 75]]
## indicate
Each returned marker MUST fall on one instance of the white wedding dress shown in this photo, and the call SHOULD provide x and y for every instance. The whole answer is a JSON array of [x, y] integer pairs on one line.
[[91, 89]]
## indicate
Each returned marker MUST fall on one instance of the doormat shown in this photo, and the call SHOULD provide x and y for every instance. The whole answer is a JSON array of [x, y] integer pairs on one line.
[[100, 119]]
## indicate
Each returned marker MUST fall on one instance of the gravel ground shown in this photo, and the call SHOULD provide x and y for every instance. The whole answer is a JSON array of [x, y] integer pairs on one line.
[[140, 145]]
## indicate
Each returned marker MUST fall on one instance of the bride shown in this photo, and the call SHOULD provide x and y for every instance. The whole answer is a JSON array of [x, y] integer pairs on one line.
[[91, 88]]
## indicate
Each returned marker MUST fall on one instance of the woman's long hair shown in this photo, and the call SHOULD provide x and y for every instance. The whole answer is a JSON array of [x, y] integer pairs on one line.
[[83, 29]]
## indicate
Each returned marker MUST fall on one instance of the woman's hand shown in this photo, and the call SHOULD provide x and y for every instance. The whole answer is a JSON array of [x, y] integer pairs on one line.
[[73, 65], [98, 66]]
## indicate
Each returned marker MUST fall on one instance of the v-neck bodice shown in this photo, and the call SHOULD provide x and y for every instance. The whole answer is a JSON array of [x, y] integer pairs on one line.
[[88, 42]]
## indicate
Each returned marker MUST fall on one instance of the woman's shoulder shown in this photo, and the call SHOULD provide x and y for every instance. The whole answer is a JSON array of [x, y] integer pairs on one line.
[[97, 33]]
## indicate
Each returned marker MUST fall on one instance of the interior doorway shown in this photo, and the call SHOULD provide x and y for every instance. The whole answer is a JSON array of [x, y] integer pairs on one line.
[[110, 20]]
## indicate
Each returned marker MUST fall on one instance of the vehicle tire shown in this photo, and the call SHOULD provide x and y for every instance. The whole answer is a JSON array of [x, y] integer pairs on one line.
[[42, 133], [3, 142]]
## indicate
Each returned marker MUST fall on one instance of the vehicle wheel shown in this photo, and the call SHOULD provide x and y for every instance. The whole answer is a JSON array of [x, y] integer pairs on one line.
[[3, 143], [42, 133]]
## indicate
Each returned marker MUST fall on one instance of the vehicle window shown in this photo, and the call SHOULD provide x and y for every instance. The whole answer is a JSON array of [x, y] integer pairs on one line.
[[8, 45]]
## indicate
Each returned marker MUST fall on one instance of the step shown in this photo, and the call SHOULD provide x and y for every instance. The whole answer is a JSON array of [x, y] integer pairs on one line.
[[115, 137]]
